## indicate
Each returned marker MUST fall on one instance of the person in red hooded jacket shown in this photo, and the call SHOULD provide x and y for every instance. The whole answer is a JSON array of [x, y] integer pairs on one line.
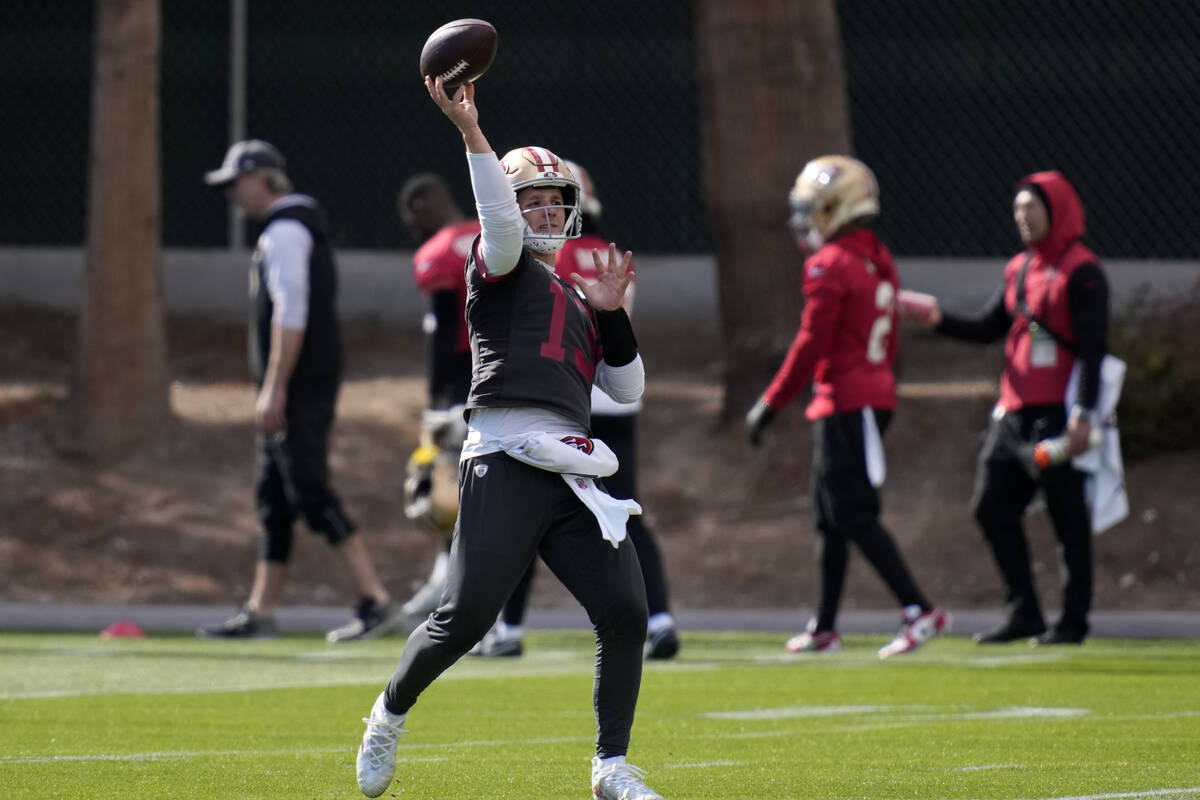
[[1053, 309], [845, 347]]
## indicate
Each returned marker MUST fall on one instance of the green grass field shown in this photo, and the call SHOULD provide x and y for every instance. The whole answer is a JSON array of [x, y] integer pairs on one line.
[[733, 717]]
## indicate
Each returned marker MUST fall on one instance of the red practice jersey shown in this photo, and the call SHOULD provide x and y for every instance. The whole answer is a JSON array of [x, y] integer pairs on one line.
[[846, 344], [576, 256], [439, 265]]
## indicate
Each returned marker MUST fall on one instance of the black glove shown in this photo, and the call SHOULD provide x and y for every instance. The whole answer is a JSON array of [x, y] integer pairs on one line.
[[757, 420]]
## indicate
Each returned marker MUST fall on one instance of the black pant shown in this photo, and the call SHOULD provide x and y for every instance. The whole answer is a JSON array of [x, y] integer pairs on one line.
[[619, 432], [846, 507], [293, 477], [1005, 482], [509, 513]]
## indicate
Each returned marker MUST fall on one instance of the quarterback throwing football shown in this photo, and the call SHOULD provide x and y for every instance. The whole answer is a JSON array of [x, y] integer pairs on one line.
[[528, 468]]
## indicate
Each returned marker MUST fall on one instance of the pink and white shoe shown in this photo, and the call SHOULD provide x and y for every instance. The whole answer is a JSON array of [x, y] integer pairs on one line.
[[916, 632], [814, 641]]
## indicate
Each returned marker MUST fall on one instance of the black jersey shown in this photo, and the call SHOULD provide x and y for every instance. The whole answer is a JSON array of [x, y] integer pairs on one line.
[[533, 341], [319, 364]]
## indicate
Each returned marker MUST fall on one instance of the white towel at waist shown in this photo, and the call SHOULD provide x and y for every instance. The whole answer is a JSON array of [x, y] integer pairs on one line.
[[579, 460], [611, 513], [553, 452], [873, 447]]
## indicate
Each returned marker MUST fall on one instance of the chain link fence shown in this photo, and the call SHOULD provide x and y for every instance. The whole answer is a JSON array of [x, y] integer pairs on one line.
[[951, 102]]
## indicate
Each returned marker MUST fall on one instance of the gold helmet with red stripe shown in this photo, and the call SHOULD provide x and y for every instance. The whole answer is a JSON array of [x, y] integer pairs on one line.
[[537, 167], [830, 193], [588, 202]]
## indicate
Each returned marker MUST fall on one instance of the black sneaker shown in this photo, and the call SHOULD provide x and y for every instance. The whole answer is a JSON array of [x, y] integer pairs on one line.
[[492, 645], [1012, 631], [370, 620], [244, 625], [1058, 636], [662, 645]]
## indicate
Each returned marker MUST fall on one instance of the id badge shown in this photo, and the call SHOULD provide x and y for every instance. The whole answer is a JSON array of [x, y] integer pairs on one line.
[[1043, 349]]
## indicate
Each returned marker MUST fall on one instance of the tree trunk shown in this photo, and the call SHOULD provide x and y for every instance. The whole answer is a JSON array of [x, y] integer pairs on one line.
[[772, 98], [119, 393]]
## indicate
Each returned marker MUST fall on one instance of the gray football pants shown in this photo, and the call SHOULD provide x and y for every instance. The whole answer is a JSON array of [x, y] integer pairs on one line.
[[509, 513]]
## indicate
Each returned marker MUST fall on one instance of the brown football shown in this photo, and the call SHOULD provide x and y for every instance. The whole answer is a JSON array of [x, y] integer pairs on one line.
[[459, 51]]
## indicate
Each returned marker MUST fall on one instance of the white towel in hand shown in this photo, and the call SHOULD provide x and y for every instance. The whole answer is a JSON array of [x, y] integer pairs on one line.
[[1105, 482]]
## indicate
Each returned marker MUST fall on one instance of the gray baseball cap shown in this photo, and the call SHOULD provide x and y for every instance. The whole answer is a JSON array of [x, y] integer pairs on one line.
[[245, 157]]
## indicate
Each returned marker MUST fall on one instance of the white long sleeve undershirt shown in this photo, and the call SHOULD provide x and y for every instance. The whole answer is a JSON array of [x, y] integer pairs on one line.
[[286, 247], [625, 383], [500, 218]]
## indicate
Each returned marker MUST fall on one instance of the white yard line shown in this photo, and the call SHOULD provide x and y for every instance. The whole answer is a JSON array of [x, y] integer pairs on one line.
[[1180, 792], [175, 755], [165, 755]]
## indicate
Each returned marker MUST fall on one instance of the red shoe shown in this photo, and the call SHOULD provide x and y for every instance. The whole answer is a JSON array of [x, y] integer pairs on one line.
[[915, 633], [814, 641]]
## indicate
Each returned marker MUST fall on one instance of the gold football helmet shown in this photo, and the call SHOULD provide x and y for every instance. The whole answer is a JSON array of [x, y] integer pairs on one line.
[[431, 482], [537, 166], [830, 193], [588, 202]]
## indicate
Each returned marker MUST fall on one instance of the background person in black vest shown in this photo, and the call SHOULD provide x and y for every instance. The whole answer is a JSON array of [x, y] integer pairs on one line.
[[1053, 309], [527, 479], [296, 362]]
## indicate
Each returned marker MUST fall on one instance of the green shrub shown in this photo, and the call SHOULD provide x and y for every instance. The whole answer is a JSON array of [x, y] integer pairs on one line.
[[1160, 404]]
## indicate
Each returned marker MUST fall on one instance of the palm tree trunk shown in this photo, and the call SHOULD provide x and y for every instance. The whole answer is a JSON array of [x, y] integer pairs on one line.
[[773, 97], [119, 392]]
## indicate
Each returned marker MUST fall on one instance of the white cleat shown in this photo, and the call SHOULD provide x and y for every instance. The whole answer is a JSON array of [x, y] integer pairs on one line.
[[616, 780], [914, 634], [425, 601], [376, 763], [814, 641]]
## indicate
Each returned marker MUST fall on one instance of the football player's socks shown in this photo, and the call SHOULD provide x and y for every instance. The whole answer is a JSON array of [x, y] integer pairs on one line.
[[659, 622], [506, 632], [912, 612]]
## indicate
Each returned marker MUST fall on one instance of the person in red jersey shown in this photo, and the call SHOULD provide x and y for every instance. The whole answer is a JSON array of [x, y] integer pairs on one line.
[[1052, 311], [616, 424], [846, 348], [443, 234]]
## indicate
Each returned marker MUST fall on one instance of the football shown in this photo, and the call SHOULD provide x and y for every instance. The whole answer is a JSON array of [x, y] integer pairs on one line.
[[459, 51]]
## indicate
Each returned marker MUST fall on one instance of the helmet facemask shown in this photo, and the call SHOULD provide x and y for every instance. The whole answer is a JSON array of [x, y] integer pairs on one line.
[[546, 242], [537, 167], [804, 230]]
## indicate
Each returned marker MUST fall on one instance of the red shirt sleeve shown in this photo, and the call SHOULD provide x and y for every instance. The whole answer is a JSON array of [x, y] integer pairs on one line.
[[823, 294], [438, 264]]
